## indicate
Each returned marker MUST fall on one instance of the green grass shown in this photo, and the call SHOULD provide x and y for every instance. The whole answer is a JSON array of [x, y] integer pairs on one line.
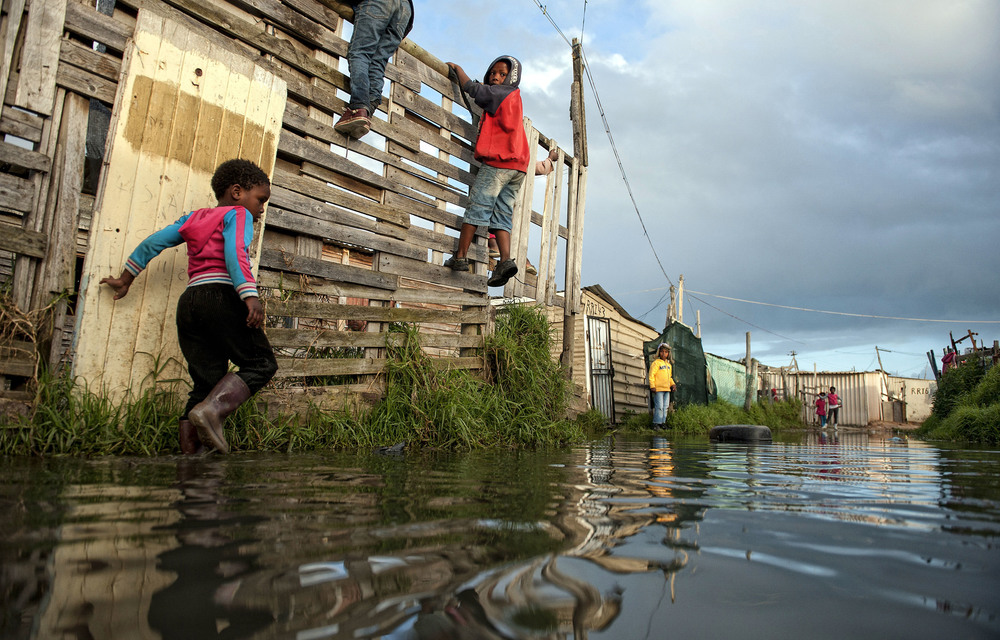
[[699, 419], [519, 400], [966, 406]]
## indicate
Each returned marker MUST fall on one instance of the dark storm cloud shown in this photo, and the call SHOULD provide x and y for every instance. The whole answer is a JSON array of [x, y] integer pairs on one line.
[[837, 156]]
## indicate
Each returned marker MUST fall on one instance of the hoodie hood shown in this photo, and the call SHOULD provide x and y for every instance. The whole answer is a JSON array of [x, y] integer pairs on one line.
[[513, 76]]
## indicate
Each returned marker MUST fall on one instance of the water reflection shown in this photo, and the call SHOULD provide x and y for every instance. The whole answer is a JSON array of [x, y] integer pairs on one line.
[[621, 539]]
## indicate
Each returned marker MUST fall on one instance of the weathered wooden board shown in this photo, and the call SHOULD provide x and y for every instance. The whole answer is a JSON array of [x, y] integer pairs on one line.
[[332, 311], [184, 106], [284, 261], [402, 295], [21, 157], [16, 194], [319, 338], [22, 124], [36, 89], [294, 367], [23, 241]]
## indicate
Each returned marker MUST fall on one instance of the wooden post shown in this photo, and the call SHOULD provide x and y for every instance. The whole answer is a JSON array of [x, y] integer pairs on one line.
[[672, 307], [747, 401], [574, 252], [697, 316], [57, 272]]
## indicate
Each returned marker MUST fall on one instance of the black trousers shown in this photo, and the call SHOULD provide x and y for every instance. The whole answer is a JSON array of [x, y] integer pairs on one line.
[[212, 331]]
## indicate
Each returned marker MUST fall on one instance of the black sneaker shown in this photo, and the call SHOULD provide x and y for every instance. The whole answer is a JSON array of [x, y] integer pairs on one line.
[[457, 264], [504, 272]]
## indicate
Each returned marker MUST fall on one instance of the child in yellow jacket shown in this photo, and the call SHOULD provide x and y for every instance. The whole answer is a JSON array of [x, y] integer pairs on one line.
[[661, 383]]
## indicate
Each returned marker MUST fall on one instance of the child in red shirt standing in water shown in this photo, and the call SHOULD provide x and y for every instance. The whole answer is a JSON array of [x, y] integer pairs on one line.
[[821, 408], [219, 315], [502, 149]]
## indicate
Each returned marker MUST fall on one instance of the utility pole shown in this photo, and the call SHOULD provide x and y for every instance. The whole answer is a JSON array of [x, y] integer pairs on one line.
[[680, 299], [672, 307], [748, 401]]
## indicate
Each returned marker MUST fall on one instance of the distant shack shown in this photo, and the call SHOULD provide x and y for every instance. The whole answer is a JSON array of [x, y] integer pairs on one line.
[[114, 119]]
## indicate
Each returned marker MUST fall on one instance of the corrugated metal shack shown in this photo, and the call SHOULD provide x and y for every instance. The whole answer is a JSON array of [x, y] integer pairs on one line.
[[115, 117], [607, 354]]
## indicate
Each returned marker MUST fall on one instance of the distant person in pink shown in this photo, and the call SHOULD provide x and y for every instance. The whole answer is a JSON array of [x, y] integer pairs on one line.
[[833, 407]]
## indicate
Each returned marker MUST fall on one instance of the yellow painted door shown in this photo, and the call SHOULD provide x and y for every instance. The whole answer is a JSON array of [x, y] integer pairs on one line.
[[184, 105]]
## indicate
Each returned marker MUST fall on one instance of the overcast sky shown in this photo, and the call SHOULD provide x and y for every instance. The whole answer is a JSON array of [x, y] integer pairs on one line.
[[835, 155]]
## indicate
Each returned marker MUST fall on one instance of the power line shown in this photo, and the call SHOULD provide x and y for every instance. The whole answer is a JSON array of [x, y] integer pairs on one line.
[[845, 313], [621, 166]]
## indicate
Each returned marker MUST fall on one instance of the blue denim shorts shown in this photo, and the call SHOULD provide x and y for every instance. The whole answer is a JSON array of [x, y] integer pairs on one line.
[[492, 197]]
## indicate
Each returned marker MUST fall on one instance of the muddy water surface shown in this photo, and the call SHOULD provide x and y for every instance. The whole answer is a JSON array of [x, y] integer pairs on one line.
[[840, 535]]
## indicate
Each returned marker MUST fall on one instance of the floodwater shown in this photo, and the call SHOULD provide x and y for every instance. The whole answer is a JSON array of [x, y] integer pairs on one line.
[[845, 535]]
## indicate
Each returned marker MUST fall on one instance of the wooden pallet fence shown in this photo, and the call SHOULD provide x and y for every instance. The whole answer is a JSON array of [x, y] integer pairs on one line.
[[355, 233]]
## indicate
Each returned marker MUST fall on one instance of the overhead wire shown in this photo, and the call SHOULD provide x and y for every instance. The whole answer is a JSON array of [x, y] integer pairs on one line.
[[635, 205]]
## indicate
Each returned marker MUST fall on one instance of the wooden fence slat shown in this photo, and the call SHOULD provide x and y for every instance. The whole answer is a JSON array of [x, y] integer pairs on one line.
[[36, 87], [21, 124], [291, 221], [331, 338], [21, 157], [85, 83], [282, 261], [15, 14], [431, 272], [334, 311], [305, 284], [294, 367], [86, 21], [16, 194], [23, 241]]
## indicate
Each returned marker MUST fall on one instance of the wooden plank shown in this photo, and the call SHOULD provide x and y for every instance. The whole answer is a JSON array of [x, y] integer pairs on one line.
[[36, 86], [282, 261], [291, 221], [442, 168], [58, 268], [286, 194], [21, 157], [550, 232], [15, 14], [295, 367], [16, 194], [23, 241], [304, 149], [94, 62], [424, 184], [433, 113], [333, 311], [432, 273], [330, 338], [423, 210], [84, 20], [521, 230], [305, 284], [80, 81], [21, 124], [326, 176]]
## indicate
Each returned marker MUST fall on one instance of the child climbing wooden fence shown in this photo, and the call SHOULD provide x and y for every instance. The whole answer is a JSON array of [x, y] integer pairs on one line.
[[115, 118]]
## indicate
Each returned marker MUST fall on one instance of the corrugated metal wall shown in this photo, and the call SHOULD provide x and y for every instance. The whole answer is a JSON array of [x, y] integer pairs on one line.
[[860, 395]]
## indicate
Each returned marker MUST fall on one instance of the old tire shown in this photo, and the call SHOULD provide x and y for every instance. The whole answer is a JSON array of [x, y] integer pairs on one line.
[[740, 433]]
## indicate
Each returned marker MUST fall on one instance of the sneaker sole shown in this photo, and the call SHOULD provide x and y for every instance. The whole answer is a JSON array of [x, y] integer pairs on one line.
[[353, 128]]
